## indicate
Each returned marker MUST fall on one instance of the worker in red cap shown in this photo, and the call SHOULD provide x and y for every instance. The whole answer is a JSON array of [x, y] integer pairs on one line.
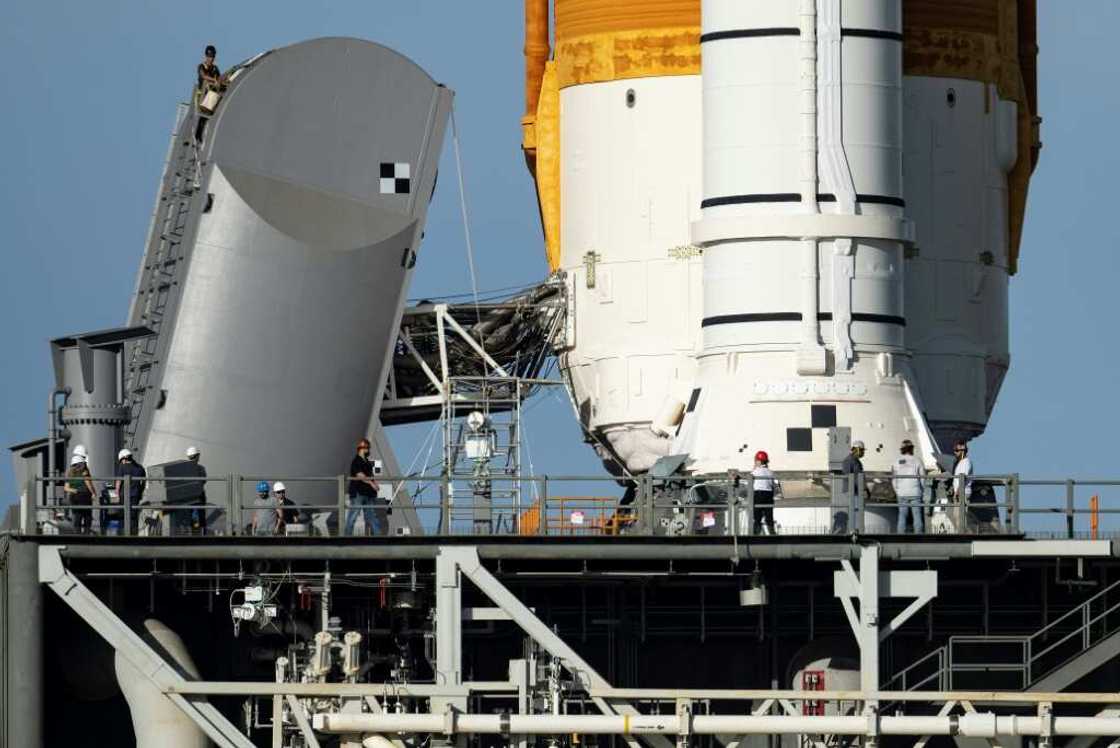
[[765, 486]]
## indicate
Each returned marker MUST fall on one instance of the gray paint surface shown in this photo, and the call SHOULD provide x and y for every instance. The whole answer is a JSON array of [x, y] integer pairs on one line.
[[295, 283], [22, 645]]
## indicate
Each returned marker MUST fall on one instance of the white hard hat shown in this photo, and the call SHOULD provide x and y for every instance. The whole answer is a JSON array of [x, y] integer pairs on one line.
[[192, 451], [77, 459], [278, 486], [857, 444], [80, 449], [124, 453]]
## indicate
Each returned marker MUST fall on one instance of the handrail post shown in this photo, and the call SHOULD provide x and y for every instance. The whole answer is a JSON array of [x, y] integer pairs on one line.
[[965, 519], [949, 665], [237, 514], [750, 507], [542, 520], [341, 505], [1013, 484], [445, 504], [1069, 508], [1094, 516], [126, 502], [943, 667], [233, 511], [650, 506], [855, 496], [1085, 625], [733, 507]]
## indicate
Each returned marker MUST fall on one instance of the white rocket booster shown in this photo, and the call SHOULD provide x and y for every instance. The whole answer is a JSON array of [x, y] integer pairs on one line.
[[803, 229], [726, 195]]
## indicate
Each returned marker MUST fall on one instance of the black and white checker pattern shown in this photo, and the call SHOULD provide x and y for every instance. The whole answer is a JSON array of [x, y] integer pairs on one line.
[[800, 439], [396, 178]]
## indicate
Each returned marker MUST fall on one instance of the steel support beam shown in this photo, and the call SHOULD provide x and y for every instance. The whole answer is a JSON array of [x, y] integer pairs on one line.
[[449, 631], [868, 634], [134, 649], [467, 561], [278, 707], [301, 720], [23, 646]]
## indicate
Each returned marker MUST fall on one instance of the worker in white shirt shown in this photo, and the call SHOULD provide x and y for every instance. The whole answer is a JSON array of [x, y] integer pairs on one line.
[[962, 472], [907, 477], [765, 485]]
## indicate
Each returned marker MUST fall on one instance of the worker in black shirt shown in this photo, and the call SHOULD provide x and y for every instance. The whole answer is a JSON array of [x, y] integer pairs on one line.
[[852, 468], [209, 76], [127, 465], [194, 521], [286, 511], [209, 79], [363, 492]]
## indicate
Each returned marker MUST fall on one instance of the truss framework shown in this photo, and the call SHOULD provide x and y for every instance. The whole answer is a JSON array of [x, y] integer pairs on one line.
[[448, 696]]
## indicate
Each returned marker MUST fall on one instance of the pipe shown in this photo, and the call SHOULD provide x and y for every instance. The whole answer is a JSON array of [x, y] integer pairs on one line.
[[156, 720], [52, 438], [985, 725], [838, 181], [811, 359]]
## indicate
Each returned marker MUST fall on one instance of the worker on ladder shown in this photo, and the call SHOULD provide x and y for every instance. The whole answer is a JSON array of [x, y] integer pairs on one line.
[[208, 90]]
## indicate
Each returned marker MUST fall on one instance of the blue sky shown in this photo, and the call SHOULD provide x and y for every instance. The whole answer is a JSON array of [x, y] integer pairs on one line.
[[91, 97]]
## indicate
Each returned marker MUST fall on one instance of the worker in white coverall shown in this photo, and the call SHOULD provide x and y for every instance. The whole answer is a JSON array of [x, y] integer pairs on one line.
[[962, 472], [908, 478], [765, 486]]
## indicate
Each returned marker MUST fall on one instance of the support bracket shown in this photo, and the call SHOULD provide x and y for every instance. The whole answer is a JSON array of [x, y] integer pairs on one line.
[[127, 643]]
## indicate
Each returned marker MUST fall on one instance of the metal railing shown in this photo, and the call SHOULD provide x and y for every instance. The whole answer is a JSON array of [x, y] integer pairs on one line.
[[721, 504], [929, 672], [1026, 659]]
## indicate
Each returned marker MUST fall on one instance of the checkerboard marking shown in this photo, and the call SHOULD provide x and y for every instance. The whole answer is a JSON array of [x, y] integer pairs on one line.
[[800, 439], [396, 178]]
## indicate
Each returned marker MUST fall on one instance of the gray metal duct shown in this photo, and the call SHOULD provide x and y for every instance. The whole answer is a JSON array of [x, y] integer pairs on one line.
[[297, 251], [158, 723], [88, 366]]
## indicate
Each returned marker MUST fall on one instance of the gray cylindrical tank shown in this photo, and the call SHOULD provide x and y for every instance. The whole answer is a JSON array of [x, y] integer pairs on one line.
[[318, 167], [94, 418], [88, 367]]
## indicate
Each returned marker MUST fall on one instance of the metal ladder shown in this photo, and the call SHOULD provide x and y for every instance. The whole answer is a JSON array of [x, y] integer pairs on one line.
[[1036, 658], [160, 278]]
